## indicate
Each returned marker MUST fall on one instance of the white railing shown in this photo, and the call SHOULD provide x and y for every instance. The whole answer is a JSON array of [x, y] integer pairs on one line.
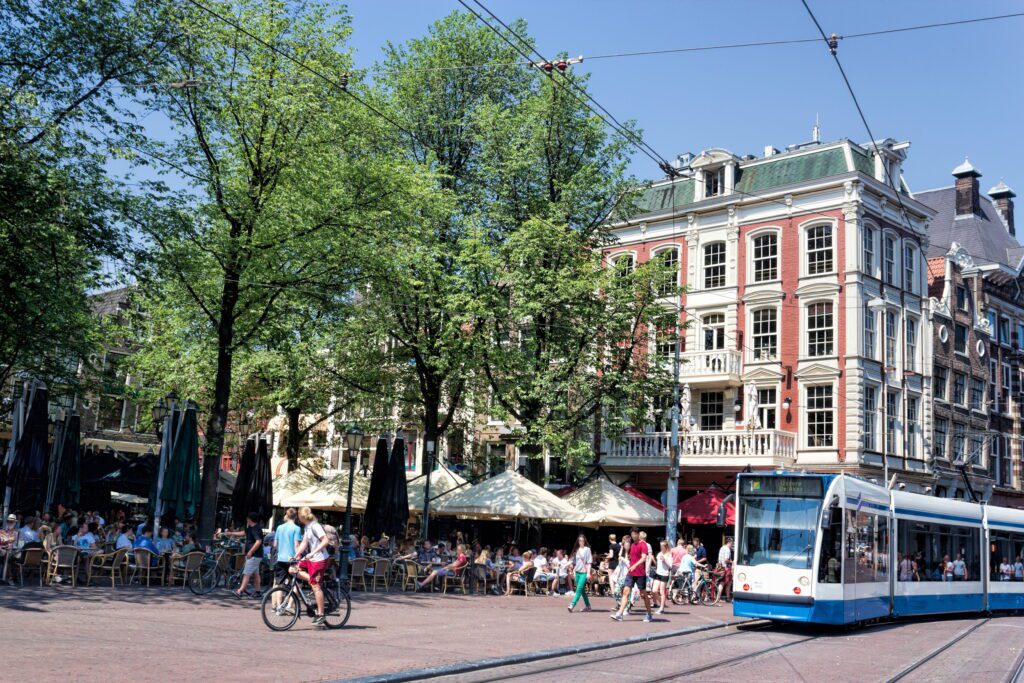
[[772, 444], [703, 363]]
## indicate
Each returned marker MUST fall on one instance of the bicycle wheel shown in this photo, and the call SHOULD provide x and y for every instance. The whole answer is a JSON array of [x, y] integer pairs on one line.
[[283, 616], [710, 595], [203, 580], [337, 606]]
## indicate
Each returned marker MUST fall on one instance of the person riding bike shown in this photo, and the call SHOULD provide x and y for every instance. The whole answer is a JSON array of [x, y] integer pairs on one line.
[[312, 551]]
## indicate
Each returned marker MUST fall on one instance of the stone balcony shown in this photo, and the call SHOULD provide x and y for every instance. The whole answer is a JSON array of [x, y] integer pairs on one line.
[[721, 366], [732, 448]]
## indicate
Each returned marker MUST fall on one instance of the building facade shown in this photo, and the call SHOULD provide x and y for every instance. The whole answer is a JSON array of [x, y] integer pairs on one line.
[[977, 319], [805, 284]]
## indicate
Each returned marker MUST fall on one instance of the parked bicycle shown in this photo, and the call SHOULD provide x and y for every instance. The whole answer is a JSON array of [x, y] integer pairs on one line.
[[283, 604], [217, 569]]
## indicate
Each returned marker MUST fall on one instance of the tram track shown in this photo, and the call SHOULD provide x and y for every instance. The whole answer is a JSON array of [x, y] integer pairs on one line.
[[921, 661], [1017, 673], [745, 657]]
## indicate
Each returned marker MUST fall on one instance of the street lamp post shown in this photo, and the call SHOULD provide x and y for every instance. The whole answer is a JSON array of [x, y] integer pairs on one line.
[[672, 495], [353, 438]]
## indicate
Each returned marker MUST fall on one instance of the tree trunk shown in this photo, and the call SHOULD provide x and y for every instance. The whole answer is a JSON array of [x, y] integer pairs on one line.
[[292, 443], [219, 411]]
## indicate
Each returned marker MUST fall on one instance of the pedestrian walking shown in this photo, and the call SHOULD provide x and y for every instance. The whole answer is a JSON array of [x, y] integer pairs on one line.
[[662, 575], [253, 556], [582, 559], [639, 560]]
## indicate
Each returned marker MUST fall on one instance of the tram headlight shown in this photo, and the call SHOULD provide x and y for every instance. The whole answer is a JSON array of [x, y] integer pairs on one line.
[[804, 581], [741, 577]]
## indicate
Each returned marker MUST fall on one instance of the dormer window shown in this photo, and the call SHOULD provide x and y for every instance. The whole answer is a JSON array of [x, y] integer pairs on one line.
[[714, 182]]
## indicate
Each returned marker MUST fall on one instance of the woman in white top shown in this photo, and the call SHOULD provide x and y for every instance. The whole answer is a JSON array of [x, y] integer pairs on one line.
[[582, 559], [662, 575]]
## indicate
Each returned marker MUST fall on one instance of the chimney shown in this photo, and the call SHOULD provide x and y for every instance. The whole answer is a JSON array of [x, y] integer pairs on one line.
[[1003, 196], [770, 151], [967, 193]]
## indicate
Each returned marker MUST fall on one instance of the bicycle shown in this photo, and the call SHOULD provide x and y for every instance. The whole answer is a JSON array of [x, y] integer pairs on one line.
[[709, 587], [293, 596], [211, 572], [681, 592]]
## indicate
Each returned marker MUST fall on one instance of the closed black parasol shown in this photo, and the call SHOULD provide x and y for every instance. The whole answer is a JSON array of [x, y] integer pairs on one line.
[[261, 493], [26, 464], [65, 475], [240, 496], [376, 513], [398, 493]]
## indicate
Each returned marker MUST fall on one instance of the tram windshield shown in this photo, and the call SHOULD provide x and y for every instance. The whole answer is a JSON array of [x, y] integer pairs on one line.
[[777, 530]]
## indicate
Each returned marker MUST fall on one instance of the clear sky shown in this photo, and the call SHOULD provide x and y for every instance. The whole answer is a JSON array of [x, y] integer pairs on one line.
[[952, 92]]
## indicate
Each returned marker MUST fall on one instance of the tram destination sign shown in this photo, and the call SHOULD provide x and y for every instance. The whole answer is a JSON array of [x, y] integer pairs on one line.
[[802, 487]]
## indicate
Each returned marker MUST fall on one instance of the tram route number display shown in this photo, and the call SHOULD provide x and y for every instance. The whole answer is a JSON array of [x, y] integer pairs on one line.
[[803, 487]]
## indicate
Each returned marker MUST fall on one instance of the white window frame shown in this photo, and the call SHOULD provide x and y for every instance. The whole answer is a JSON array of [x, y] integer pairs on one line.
[[890, 267], [630, 255], [870, 333], [723, 265], [807, 250], [830, 329], [868, 249], [910, 338], [752, 239], [830, 411], [660, 253], [909, 268], [869, 442], [891, 337], [754, 335], [912, 423]]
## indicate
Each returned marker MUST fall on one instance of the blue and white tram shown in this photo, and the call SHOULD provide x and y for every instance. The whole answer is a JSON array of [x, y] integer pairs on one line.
[[835, 549]]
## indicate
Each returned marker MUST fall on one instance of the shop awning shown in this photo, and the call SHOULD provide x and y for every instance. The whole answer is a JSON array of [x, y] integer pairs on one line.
[[442, 480], [509, 496], [331, 494], [602, 503]]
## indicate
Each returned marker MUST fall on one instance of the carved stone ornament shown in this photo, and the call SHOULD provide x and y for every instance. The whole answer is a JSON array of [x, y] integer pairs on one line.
[[958, 255], [941, 307]]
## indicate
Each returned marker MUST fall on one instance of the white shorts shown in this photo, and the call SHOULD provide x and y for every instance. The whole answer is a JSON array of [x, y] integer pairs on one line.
[[252, 566]]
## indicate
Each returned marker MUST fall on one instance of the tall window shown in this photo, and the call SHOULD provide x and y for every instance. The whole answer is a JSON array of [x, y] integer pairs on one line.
[[959, 388], [911, 344], [714, 265], [1004, 331], [765, 333], [892, 412], [977, 393], [819, 250], [869, 250], [910, 268], [890, 337], [912, 423], [1006, 390], [940, 382], [869, 332], [668, 258], [870, 417], [712, 410], [961, 298], [941, 436], [666, 346], [623, 265], [960, 338], [714, 182], [766, 407], [766, 257], [819, 329], [889, 262], [959, 441], [714, 331], [820, 417]]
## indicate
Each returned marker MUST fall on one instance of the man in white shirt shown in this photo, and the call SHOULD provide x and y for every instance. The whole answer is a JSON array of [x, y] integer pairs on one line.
[[725, 553], [541, 564], [123, 540]]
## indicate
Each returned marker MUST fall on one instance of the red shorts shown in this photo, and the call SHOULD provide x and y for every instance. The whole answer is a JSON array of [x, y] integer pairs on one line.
[[314, 569]]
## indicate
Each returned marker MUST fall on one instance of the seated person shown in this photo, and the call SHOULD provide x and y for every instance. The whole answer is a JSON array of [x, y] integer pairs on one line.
[[165, 544], [85, 539], [426, 554], [545, 574], [146, 543], [124, 538], [448, 570], [519, 574]]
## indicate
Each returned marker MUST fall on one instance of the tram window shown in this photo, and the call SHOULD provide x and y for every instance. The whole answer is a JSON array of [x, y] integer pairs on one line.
[[931, 547], [867, 549], [830, 564], [1006, 559], [778, 531]]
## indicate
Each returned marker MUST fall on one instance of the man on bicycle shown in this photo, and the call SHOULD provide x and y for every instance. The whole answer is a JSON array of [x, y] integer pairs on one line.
[[287, 537], [313, 563]]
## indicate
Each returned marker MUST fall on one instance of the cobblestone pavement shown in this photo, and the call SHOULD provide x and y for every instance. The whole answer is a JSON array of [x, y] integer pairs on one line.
[[139, 634]]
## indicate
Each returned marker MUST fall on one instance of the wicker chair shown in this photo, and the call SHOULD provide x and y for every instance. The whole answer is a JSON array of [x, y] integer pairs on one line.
[[456, 578], [31, 558], [411, 574], [143, 564], [483, 576], [527, 581], [183, 565], [358, 572], [63, 560], [112, 564], [381, 571]]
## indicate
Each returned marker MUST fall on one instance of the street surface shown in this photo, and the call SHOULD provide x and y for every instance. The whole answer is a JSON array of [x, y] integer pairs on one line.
[[140, 634]]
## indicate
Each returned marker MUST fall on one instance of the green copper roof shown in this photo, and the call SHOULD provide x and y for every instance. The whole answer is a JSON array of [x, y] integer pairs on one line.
[[862, 163], [789, 170], [660, 198]]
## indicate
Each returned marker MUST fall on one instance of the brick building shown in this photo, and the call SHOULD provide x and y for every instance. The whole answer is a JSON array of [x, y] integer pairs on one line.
[[977, 317], [805, 285]]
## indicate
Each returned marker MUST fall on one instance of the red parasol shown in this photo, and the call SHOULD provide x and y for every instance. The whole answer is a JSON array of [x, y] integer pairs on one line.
[[703, 508]]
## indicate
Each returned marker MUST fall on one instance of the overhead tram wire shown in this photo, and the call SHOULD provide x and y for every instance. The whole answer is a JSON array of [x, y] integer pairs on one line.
[[302, 65]]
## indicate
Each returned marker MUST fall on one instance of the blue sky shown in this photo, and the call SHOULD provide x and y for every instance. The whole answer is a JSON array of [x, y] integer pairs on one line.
[[951, 91]]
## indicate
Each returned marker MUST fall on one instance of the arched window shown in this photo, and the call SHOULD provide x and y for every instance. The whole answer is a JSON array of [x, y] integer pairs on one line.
[[820, 334], [910, 268], [623, 265], [869, 250], [819, 249], [714, 265], [766, 257], [669, 280]]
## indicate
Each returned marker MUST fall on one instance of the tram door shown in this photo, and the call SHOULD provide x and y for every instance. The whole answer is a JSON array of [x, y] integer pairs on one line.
[[866, 564]]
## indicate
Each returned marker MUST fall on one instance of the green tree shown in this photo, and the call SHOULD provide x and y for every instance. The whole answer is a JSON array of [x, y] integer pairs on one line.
[[284, 173], [68, 70]]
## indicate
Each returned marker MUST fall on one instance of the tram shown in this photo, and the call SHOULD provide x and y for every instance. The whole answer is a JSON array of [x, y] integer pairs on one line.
[[835, 549]]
